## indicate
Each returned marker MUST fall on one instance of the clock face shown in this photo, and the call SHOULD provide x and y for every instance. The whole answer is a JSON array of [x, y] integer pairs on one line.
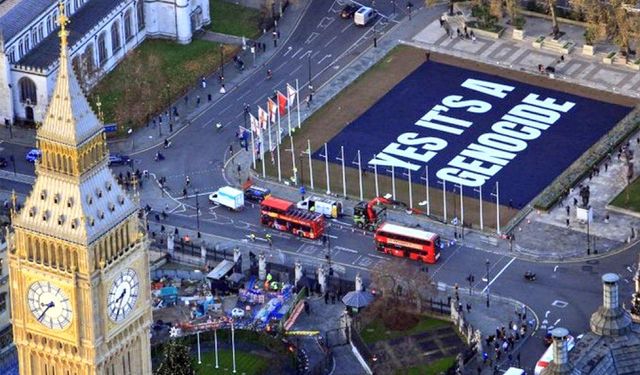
[[123, 294], [49, 305]]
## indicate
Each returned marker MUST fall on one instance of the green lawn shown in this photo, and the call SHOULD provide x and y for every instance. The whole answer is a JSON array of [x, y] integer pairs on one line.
[[634, 197], [376, 331], [229, 18], [246, 363], [434, 368], [143, 83]]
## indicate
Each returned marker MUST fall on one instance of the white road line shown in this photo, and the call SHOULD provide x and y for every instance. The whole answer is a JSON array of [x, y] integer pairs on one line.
[[312, 37], [297, 52], [377, 256], [315, 54], [305, 55], [280, 66], [346, 27], [325, 57], [330, 41], [242, 95], [498, 275], [295, 70], [446, 261], [345, 249], [288, 50]]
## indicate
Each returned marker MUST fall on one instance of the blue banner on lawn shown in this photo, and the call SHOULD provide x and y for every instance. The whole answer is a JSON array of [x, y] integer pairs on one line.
[[110, 128], [474, 129]]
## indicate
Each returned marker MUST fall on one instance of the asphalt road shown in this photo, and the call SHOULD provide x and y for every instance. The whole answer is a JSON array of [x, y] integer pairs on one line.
[[563, 295]]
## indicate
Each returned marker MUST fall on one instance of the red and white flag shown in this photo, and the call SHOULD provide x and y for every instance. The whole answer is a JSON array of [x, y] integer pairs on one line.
[[291, 94], [272, 108], [282, 103], [255, 125], [262, 117]]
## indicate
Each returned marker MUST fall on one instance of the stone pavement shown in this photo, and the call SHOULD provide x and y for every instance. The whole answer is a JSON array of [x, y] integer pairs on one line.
[[539, 236]]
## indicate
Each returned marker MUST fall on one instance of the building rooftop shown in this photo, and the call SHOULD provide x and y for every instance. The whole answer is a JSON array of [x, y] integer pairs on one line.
[[595, 354], [15, 15], [47, 52]]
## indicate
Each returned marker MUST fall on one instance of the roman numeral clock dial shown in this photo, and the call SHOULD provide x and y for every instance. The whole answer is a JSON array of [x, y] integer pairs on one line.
[[49, 305], [123, 295]]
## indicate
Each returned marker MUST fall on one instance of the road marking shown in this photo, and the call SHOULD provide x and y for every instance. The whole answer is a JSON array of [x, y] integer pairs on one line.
[[288, 50], [330, 41], [560, 304], [315, 54], [297, 52], [325, 57], [629, 269], [325, 22], [292, 72], [305, 54], [345, 249], [555, 268], [556, 322], [346, 27], [546, 314], [280, 66], [377, 256], [446, 261], [243, 95], [311, 37], [498, 275]]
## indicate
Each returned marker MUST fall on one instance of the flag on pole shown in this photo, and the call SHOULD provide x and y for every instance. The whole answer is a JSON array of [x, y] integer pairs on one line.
[[282, 103], [271, 107], [255, 124], [262, 117], [291, 94]]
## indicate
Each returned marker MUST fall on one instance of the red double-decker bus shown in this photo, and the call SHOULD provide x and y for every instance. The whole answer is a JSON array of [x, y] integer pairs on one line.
[[406, 242], [283, 215]]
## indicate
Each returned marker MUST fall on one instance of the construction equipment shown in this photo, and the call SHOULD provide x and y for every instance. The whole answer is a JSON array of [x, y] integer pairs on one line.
[[369, 215]]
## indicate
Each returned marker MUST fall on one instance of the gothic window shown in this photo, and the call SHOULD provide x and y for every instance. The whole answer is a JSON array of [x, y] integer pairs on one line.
[[102, 49], [128, 34], [26, 43], [49, 24], [77, 4], [115, 36], [40, 31], [28, 92], [20, 48], [34, 35], [88, 60], [140, 14], [3, 302], [12, 55]]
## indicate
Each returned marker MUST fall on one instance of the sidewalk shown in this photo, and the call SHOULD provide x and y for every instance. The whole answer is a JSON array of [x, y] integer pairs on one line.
[[534, 233]]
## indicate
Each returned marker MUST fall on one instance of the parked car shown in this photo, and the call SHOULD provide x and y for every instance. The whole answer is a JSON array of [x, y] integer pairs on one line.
[[119, 159], [33, 155], [363, 16], [3, 162], [348, 11]]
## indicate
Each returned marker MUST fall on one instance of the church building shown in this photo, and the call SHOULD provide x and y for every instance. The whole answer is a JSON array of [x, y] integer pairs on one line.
[[102, 33]]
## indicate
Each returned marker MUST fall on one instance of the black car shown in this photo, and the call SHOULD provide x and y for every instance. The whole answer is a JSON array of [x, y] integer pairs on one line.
[[3, 162], [256, 193], [349, 10], [119, 159]]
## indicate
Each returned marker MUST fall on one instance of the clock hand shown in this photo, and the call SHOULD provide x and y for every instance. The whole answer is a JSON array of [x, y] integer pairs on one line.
[[124, 292], [49, 305]]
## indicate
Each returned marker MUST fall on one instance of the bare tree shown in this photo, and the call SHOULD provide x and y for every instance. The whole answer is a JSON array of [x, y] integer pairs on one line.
[[409, 284]]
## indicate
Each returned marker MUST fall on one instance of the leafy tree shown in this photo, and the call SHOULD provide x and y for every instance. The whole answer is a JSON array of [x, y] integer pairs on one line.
[[495, 8], [177, 360]]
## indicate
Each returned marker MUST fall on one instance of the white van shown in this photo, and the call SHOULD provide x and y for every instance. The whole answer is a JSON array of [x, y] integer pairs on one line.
[[327, 207], [363, 16]]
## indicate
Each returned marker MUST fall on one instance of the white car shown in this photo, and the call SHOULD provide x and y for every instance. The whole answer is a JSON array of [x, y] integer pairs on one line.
[[237, 313]]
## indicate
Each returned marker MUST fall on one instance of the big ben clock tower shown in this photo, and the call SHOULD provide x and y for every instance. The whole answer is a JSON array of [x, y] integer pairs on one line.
[[78, 256]]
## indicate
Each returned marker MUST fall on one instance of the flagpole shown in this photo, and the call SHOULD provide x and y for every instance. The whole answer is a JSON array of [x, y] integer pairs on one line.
[[298, 105], [344, 176], [326, 164], [310, 165], [253, 149], [393, 182], [288, 113], [278, 146], [293, 161], [427, 187], [262, 153], [360, 174], [269, 126], [375, 175]]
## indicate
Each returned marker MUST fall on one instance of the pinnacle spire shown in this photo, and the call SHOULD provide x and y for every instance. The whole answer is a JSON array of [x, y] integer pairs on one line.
[[69, 118]]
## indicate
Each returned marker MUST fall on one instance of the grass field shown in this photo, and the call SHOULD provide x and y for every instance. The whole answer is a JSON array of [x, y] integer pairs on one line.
[[229, 18], [246, 363], [376, 331], [347, 106], [633, 194]]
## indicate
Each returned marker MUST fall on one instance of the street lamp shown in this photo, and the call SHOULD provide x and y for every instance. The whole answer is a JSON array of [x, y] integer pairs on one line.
[[221, 64], [302, 168], [309, 65], [198, 214], [487, 263]]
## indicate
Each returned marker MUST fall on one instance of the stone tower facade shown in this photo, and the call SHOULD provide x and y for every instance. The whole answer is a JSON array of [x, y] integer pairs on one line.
[[6, 104], [78, 255]]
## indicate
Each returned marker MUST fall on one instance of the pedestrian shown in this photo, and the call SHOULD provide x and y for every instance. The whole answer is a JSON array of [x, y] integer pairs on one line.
[[562, 58], [575, 201], [187, 181], [441, 21], [157, 217], [606, 219], [208, 97], [307, 309], [203, 82], [427, 55], [468, 307], [197, 100], [164, 214], [278, 33], [473, 36], [485, 357], [458, 31], [326, 298], [184, 192]]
